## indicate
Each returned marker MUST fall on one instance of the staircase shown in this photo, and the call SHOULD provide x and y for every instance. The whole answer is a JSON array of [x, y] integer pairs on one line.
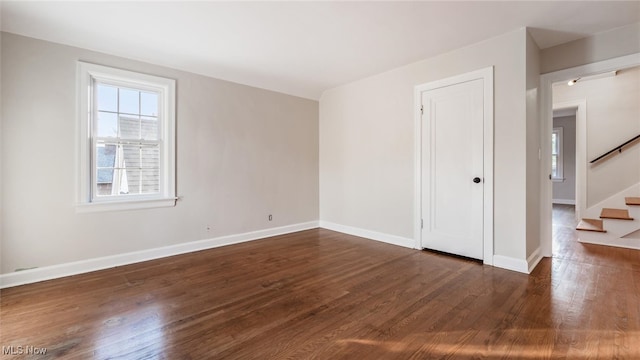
[[615, 227]]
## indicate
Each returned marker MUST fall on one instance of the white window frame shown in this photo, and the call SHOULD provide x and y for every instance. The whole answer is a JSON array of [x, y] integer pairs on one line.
[[559, 176], [87, 201]]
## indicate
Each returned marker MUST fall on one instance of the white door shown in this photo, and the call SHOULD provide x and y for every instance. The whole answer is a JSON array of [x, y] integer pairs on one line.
[[452, 169]]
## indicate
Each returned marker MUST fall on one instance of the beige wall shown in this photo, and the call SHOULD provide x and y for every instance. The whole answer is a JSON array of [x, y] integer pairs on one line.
[[613, 116], [606, 45], [533, 145], [367, 143], [242, 153]]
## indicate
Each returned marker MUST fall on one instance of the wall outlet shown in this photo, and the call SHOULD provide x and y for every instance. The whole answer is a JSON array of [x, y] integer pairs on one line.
[[270, 217]]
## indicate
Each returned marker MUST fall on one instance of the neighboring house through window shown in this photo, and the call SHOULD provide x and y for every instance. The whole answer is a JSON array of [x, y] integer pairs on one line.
[[556, 155], [126, 152]]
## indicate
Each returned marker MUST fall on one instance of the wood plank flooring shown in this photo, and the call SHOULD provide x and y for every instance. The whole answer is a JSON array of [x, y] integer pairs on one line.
[[319, 294]]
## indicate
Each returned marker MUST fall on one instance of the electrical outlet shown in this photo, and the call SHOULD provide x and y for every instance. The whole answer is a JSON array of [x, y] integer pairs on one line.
[[270, 217], [208, 228]]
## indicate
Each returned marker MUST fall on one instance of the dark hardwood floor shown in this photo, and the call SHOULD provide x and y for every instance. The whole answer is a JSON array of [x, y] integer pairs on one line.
[[325, 295]]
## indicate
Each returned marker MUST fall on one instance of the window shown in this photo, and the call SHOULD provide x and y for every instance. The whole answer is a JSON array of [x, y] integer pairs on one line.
[[126, 139], [556, 154]]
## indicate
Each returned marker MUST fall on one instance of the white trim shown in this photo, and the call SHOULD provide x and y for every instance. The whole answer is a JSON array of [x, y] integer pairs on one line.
[[564, 201], [486, 75], [84, 266], [563, 112], [580, 109], [533, 260], [417, 170], [546, 118], [132, 204], [509, 263], [368, 234]]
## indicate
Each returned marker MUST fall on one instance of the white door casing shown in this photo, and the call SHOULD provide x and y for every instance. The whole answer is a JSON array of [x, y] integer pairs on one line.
[[454, 145], [580, 106]]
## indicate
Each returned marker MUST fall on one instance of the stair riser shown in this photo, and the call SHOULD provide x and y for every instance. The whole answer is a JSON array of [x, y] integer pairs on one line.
[[595, 237], [621, 227], [634, 212], [607, 239]]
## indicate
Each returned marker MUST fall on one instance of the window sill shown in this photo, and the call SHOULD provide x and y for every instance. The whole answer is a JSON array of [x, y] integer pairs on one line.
[[558, 179], [125, 205]]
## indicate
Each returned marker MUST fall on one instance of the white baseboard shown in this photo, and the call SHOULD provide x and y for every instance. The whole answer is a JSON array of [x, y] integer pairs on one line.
[[505, 262], [509, 263], [84, 266], [533, 260], [564, 201], [373, 235]]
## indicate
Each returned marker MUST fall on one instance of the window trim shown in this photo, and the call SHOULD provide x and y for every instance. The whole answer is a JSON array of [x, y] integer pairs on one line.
[[560, 162], [87, 74]]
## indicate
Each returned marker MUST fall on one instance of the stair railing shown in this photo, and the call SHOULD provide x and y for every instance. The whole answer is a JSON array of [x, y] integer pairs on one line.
[[617, 148]]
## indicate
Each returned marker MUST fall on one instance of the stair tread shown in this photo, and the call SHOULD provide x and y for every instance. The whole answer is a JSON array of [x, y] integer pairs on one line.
[[620, 214], [591, 225], [632, 200]]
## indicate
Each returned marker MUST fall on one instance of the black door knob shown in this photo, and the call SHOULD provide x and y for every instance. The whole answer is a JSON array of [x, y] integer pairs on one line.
[[476, 180]]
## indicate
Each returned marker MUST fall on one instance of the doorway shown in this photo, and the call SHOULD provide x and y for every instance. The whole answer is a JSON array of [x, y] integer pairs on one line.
[[546, 193], [563, 171]]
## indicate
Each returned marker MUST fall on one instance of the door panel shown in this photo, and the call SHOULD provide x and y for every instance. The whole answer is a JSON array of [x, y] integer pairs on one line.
[[452, 156]]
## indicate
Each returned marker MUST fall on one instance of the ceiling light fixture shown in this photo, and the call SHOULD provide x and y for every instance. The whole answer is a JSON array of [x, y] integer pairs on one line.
[[593, 77]]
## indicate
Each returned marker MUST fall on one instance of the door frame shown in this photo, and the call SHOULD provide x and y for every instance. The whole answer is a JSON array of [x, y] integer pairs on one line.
[[485, 74], [546, 122], [581, 151]]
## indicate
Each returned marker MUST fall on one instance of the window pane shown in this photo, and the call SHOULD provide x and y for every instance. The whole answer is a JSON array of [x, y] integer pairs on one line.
[[107, 97], [554, 166], [133, 180], [107, 124], [129, 101], [150, 181], [129, 127], [131, 156], [150, 156], [105, 156], [105, 161], [105, 176], [554, 143], [149, 104], [121, 185], [149, 127], [104, 189], [130, 176]]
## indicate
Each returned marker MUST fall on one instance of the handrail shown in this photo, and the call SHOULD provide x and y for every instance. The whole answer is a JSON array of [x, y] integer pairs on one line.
[[619, 148]]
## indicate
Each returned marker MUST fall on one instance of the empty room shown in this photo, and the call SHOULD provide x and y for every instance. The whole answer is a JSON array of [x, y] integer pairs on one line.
[[320, 179]]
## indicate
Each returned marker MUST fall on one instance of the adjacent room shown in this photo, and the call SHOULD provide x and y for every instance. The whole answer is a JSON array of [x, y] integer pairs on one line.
[[271, 180]]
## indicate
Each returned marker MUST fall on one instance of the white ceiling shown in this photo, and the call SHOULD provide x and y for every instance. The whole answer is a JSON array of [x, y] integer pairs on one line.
[[301, 48]]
